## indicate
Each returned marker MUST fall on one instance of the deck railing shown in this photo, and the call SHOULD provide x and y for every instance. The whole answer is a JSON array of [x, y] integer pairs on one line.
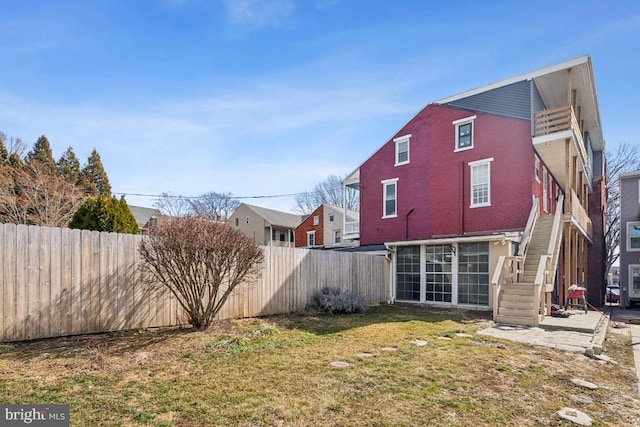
[[351, 227], [559, 119]]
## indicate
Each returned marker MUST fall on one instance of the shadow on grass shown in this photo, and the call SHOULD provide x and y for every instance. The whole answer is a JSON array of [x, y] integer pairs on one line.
[[118, 343], [133, 341], [323, 324]]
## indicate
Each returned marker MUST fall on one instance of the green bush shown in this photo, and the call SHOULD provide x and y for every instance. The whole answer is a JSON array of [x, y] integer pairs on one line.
[[105, 214], [333, 300]]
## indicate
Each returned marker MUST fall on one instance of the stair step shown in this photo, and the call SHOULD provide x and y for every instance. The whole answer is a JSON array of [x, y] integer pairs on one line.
[[511, 320], [512, 312], [515, 305], [517, 290]]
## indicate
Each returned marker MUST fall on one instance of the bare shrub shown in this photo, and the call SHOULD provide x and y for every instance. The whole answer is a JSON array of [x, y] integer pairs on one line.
[[333, 300], [201, 262]]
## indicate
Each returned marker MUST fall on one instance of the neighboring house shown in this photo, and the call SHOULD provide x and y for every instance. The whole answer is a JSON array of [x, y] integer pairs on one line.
[[266, 227], [146, 218], [323, 228], [492, 198], [630, 238]]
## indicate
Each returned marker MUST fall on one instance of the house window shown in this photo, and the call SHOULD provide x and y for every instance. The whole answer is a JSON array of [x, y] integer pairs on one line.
[[316, 220], [481, 183], [282, 237], [273, 234], [390, 200], [537, 169], [402, 150], [633, 236], [237, 222], [473, 273], [291, 234], [311, 238], [634, 279], [464, 133], [331, 218], [336, 237], [439, 273], [408, 273]]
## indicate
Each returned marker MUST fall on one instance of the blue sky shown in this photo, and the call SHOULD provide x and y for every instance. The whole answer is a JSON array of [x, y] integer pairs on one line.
[[269, 97]]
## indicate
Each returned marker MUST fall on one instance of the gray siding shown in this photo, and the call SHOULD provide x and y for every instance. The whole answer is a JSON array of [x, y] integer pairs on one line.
[[536, 100], [513, 100], [629, 212]]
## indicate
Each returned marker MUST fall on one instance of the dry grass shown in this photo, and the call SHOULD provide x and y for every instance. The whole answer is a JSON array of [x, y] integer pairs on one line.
[[276, 372]]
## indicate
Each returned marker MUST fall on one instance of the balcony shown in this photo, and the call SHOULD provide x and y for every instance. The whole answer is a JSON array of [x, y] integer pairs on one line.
[[578, 216], [351, 230], [551, 129]]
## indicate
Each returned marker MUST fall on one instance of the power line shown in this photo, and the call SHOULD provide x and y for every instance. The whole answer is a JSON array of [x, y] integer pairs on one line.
[[160, 196]]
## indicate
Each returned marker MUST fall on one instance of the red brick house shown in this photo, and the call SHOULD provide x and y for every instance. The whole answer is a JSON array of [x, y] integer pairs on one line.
[[324, 229], [481, 199]]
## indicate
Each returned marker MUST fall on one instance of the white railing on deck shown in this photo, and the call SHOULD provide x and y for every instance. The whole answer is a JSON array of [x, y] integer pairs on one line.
[[351, 227]]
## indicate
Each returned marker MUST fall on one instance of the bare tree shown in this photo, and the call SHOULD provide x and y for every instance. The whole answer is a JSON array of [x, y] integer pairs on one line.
[[202, 262], [625, 158], [173, 205], [216, 206], [33, 195], [330, 192]]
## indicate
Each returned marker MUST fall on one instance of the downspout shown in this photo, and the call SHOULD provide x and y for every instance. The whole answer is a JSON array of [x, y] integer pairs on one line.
[[462, 200], [406, 224], [389, 257]]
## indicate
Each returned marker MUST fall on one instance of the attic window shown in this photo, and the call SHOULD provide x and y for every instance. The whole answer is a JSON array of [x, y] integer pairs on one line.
[[402, 150], [464, 133], [316, 220], [331, 218]]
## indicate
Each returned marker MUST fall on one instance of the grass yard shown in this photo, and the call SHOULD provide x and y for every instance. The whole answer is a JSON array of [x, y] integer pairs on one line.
[[276, 372]]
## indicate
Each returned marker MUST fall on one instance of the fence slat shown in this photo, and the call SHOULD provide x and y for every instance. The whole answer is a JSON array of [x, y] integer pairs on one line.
[[57, 282]]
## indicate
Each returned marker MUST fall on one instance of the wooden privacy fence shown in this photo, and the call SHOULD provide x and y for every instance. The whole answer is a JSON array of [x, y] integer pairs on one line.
[[58, 282]]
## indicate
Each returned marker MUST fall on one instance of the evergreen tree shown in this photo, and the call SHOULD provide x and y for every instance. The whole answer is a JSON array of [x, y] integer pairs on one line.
[[42, 154], [4, 154], [93, 177], [105, 213], [15, 161], [69, 166]]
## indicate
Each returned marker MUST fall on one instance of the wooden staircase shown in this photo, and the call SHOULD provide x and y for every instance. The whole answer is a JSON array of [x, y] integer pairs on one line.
[[518, 303]]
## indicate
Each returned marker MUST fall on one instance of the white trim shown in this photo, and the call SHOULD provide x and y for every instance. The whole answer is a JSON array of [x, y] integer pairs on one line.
[[545, 189], [471, 166], [449, 240], [462, 122], [630, 280], [477, 162], [311, 233], [628, 236], [526, 76], [385, 183], [398, 141], [536, 168]]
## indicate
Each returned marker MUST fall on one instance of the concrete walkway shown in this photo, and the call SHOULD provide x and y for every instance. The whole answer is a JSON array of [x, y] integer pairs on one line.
[[577, 333]]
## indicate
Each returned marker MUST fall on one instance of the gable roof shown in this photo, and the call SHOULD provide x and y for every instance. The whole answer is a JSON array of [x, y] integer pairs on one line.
[[143, 215], [277, 218], [547, 80], [351, 215]]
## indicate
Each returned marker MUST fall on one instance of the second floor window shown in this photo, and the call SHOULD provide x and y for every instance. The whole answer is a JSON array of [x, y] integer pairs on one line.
[[390, 198], [316, 220], [480, 183], [633, 236], [402, 150], [464, 133]]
